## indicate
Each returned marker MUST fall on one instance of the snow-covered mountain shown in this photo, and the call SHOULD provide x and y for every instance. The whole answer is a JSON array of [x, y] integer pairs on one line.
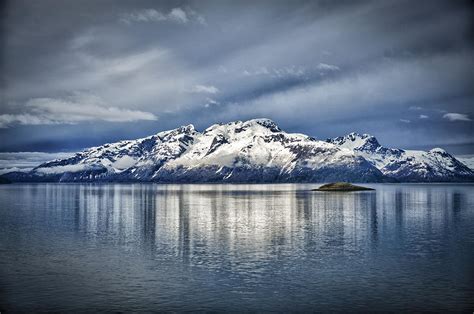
[[248, 151], [468, 160], [406, 165]]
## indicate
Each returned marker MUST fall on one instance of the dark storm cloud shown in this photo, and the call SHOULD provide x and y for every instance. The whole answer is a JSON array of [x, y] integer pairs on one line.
[[82, 73]]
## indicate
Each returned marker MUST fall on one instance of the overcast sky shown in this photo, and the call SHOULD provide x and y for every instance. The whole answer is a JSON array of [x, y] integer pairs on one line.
[[77, 74]]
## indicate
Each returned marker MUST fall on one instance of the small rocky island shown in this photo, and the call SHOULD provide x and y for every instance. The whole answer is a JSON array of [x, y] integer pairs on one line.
[[341, 187]]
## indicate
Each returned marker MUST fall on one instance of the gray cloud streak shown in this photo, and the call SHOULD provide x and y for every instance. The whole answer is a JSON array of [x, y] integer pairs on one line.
[[71, 110], [313, 66]]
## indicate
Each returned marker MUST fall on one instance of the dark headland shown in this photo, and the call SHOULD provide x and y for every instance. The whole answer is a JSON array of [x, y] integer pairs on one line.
[[4, 181], [341, 187]]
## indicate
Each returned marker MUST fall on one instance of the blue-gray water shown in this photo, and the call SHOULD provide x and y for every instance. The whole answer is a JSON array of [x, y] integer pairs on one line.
[[86, 247]]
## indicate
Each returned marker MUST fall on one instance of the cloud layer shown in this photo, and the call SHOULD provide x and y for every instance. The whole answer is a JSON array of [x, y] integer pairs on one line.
[[25, 161], [205, 89], [452, 116], [176, 15], [72, 110], [318, 67]]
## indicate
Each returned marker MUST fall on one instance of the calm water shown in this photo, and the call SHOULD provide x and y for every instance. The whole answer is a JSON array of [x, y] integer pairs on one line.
[[85, 247]]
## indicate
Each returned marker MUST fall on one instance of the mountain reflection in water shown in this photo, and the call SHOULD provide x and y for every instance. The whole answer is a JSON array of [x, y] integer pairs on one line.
[[235, 247]]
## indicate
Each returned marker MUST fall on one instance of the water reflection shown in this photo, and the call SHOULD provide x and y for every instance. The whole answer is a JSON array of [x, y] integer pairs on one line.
[[235, 247], [214, 224]]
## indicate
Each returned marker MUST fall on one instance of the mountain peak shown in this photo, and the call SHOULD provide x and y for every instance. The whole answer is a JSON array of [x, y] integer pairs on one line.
[[438, 150], [184, 129], [241, 126], [356, 141], [187, 128], [265, 122], [356, 134]]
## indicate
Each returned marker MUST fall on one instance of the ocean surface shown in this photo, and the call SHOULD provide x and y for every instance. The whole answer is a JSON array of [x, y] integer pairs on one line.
[[282, 247]]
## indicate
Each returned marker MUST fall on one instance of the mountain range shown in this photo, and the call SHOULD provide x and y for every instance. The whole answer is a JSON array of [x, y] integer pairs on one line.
[[250, 151]]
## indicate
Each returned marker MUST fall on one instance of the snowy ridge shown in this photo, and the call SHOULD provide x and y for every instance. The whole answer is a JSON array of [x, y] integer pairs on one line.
[[406, 165], [256, 150], [467, 160]]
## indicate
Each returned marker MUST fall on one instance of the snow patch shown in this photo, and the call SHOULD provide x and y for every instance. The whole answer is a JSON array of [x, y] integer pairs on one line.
[[62, 169], [468, 160], [124, 162]]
